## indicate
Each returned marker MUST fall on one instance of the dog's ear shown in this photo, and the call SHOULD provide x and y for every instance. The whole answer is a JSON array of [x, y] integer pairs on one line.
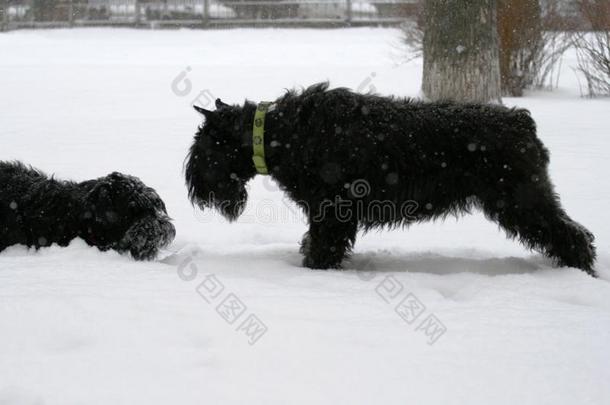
[[99, 196], [99, 214], [206, 113], [220, 104]]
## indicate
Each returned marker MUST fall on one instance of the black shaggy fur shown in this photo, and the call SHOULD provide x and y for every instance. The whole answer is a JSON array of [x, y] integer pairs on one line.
[[114, 212], [328, 148]]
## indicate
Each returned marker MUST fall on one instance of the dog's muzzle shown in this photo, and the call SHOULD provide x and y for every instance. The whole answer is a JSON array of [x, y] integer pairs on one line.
[[147, 235]]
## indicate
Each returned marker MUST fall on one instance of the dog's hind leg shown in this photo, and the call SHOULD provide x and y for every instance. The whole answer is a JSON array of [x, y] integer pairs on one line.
[[532, 213], [328, 241]]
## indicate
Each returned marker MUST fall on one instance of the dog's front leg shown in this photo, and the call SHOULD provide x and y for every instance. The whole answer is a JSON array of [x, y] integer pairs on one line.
[[328, 241]]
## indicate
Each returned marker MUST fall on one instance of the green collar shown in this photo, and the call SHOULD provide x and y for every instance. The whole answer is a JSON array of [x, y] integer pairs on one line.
[[258, 136]]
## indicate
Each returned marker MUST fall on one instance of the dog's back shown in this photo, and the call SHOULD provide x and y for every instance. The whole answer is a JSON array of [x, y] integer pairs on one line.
[[35, 210], [406, 149], [15, 178]]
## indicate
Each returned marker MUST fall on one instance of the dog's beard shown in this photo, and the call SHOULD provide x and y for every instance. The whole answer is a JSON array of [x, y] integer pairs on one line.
[[146, 236], [230, 203], [213, 184]]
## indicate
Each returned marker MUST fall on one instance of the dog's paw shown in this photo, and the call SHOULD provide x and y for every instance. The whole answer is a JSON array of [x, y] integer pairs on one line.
[[314, 264]]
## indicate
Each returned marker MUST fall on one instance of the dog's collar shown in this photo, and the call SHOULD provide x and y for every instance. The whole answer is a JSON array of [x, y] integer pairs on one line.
[[258, 136]]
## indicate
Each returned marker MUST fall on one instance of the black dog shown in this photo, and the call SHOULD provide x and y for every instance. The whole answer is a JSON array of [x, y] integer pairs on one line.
[[114, 212], [335, 149]]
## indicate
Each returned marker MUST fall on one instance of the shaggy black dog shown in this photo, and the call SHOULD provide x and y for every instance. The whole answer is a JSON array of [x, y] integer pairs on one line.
[[114, 212], [354, 161]]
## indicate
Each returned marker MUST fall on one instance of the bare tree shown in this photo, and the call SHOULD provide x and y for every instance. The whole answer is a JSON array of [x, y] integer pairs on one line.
[[532, 43], [547, 66], [593, 48], [460, 47]]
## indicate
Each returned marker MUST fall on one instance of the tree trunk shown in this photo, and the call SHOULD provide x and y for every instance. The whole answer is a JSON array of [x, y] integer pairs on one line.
[[461, 59], [521, 44]]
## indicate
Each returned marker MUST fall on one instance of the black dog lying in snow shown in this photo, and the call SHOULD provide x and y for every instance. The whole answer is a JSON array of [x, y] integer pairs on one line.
[[327, 148], [114, 212]]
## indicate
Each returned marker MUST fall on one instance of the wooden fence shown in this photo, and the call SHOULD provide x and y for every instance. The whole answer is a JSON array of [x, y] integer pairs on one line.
[[17, 14]]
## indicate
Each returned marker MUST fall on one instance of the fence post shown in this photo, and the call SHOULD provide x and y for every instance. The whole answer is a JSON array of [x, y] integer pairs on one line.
[[4, 20], [71, 13], [348, 12], [206, 12], [137, 7]]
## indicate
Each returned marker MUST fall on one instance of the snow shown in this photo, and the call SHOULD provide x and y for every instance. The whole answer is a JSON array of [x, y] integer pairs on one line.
[[80, 326]]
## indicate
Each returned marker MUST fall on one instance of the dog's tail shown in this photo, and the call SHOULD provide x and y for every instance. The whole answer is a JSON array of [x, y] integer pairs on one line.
[[522, 122]]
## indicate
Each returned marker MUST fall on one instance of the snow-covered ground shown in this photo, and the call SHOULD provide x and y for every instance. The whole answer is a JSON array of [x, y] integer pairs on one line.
[[500, 325]]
